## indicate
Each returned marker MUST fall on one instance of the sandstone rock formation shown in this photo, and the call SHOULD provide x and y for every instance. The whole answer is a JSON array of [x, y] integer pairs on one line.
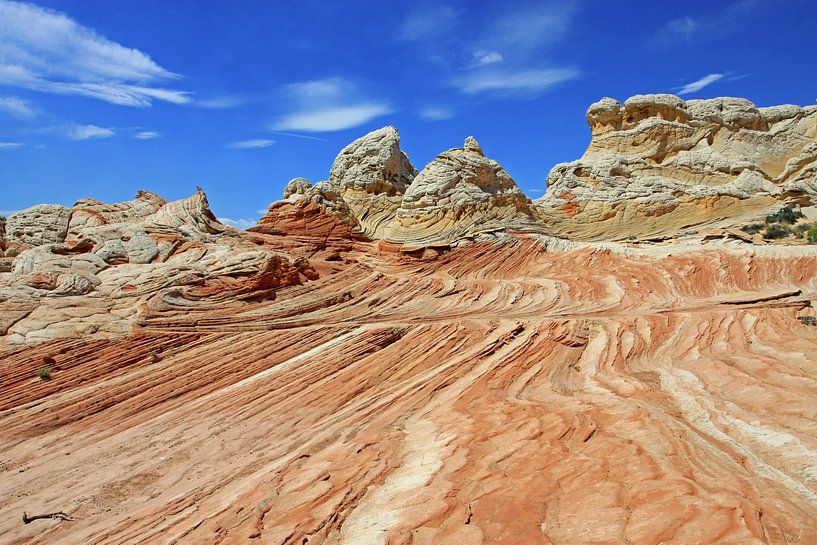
[[301, 383], [657, 164], [459, 194], [309, 211], [372, 174], [102, 262]]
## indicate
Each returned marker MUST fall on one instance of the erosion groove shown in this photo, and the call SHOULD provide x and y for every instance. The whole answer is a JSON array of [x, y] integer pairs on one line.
[[493, 395], [387, 361]]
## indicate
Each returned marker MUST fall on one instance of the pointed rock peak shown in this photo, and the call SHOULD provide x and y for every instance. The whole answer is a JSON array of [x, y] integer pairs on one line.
[[373, 163], [296, 186], [471, 144]]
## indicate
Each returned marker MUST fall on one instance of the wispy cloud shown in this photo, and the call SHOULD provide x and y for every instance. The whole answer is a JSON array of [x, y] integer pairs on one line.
[[238, 224], [332, 119], [220, 102], [510, 82], [10, 145], [527, 29], [293, 135], [251, 144], [700, 83], [46, 50], [427, 21], [85, 132], [696, 30], [16, 107], [508, 49], [7, 213], [327, 105], [436, 113], [483, 58], [683, 28], [147, 135]]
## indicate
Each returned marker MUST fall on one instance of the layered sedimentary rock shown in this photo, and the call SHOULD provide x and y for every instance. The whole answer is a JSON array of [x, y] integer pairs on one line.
[[657, 164], [460, 194], [317, 211], [372, 174], [525, 392], [167, 379], [101, 263]]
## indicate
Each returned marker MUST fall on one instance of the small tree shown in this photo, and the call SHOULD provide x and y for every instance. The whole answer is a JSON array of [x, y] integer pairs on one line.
[[45, 373]]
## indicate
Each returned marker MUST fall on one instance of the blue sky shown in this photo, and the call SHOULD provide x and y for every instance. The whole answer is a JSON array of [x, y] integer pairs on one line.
[[100, 98]]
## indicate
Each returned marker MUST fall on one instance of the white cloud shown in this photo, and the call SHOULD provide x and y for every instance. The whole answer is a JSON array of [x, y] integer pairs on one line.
[[683, 28], [16, 107], [699, 84], [332, 119], [523, 30], [220, 103], [725, 20], [86, 132], [46, 50], [147, 135], [326, 105], [262, 211], [238, 224], [436, 113], [506, 81], [428, 21], [293, 135], [10, 145], [251, 144], [483, 58]]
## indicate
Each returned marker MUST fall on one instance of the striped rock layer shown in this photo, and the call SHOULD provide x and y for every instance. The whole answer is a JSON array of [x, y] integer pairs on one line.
[[463, 379]]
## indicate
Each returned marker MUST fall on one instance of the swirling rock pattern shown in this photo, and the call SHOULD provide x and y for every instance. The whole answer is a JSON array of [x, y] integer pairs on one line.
[[460, 194], [372, 174], [530, 391], [470, 380]]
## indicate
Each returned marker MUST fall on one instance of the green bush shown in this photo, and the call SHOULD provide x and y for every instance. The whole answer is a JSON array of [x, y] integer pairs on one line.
[[752, 228], [776, 231], [785, 215], [45, 373], [811, 234]]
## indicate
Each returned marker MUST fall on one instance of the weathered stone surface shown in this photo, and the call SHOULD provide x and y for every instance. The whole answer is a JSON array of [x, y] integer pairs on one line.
[[658, 164], [177, 246], [310, 212], [40, 224], [93, 213], [459, 194], [371, 174], [492, 384], [536, 391]]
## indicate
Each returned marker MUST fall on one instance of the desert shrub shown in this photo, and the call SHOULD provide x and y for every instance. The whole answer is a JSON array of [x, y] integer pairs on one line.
[[785, 215], [808, 320], [45, 373], [752, 228], [776, 231], [811, 234]]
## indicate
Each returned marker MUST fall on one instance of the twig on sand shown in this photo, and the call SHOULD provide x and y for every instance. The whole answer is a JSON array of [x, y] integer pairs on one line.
[[59, 515]]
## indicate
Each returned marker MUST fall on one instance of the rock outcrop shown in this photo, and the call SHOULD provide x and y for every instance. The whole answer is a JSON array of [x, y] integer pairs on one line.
[[372, 174], [310, 212], [460, 194], [657, 164], [110, 258], [167, 379]]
